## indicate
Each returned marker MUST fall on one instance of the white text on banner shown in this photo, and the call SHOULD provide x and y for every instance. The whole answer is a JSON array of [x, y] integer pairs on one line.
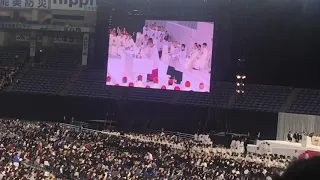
[[67, 40], [26, 37], [39, 4], [79, 5]]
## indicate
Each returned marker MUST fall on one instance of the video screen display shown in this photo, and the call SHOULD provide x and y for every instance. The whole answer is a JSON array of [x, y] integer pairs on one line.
[[170, 55]]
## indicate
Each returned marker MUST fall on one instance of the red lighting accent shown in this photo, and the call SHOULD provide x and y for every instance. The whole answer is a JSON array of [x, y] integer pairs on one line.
[[147, 86], [163, 87], [201, 86], [124, 79], [155, 80], [187, 84], [177, 88], [108, 78], [131, 84], [170, 82]]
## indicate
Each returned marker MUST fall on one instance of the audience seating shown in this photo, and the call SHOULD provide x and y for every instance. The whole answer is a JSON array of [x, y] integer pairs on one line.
[[8, 58], [50, 76], [53, 74], [10, 63], [306, 102], [262, 98], [220, 95], [90, 82]]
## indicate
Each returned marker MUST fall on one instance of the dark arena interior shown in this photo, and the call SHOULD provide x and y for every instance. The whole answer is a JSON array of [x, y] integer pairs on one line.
[[159, 89]]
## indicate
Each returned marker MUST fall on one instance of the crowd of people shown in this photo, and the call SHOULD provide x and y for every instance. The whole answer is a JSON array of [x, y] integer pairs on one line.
[[8, 73], [54, 151]]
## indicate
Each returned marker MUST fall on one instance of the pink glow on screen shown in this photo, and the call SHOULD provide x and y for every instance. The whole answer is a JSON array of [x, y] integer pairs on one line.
[[162, 54]]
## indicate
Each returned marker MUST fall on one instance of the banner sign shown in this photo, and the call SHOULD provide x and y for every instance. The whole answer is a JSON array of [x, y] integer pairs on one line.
[[73, 29], [85, 45], [67, 40], [39, 4], [26, 37], [45, 27], [14, 25], [79, 5]]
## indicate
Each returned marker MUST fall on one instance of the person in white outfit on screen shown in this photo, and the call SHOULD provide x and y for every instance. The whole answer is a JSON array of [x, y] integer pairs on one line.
[[158, 32], [113, 43], [160, 46], [144, 42], [129, 44], [192, 57], [121, 44], [178, 75], [201, 60], [155, 84], [139, 82], [153, 32], [145, 30], [151, 53], [174, 53]]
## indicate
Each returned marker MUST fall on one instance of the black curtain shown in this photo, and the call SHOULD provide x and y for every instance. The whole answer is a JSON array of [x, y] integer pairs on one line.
[[101, 37], [155, 116], [244, 122]]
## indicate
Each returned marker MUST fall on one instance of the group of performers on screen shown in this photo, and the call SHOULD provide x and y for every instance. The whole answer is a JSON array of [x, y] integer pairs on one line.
[[150, 46]]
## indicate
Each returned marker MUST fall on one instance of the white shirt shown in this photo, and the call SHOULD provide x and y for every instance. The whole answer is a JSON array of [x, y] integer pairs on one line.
[[121, 41], [202, 58], [152, 54], [113, 40], [181, 62], [146, 30], [153, 33], [129, 43], [174, 52]]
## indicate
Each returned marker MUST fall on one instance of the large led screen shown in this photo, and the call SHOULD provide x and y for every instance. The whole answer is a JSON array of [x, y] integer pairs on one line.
[[171, 55]]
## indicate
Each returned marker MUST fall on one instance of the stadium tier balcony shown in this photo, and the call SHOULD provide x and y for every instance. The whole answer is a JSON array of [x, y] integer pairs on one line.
[[221, 92], [8, 58], [152, 95], [307, 101], [262, 98], [51, 75], [11, 62], [90, 82]]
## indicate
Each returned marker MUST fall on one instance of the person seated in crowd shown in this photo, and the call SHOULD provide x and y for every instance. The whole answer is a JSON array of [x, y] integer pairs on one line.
[[301, 170]]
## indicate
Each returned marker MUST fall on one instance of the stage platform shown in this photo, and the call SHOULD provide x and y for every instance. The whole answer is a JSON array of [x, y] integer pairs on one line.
[[283, 148]]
